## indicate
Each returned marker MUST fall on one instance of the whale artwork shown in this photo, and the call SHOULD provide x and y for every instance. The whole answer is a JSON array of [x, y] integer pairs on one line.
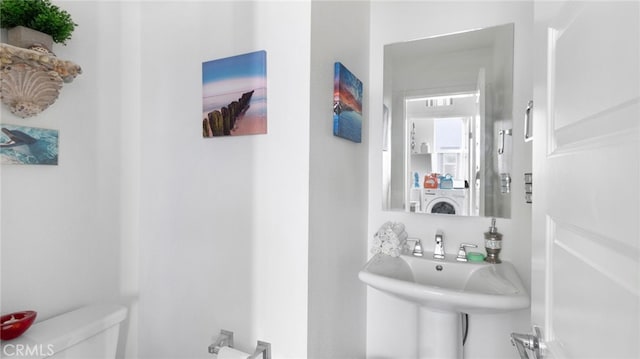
[[234, 95], [28, 145]]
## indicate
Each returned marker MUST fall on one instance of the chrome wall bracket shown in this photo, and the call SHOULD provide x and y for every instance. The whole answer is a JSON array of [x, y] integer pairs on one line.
[[225, 339], [264, 349]]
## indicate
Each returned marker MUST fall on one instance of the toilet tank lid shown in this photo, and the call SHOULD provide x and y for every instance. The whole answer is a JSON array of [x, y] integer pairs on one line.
[[70, 328]]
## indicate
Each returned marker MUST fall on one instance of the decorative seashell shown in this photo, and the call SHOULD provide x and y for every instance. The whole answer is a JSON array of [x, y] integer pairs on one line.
[[41, 48], [28, 91]]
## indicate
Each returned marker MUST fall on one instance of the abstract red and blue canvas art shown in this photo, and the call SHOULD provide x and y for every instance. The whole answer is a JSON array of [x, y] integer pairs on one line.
[[347, 104]]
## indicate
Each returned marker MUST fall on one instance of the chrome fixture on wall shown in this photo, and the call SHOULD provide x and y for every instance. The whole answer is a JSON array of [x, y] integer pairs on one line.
[[501, 135], [528, 129], [224, 341]]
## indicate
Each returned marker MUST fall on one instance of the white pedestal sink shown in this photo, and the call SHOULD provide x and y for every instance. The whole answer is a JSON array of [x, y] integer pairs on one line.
[[443, 289]]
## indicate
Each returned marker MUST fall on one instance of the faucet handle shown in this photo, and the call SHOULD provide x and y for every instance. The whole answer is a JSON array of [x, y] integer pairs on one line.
[[417, 249], [462, 252]]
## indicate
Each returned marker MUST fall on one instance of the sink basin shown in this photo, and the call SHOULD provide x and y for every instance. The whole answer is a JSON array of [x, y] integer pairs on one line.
[[448, 285]]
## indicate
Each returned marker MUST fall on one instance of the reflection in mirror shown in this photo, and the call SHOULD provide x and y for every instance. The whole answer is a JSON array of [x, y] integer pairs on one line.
[[447, 124]]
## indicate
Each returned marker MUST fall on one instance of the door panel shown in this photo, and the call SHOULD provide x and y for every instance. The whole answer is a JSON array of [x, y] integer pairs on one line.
[[589, 58], [586, 204]]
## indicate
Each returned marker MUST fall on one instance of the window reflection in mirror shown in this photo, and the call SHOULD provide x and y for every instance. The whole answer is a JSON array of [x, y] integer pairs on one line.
[[445, 99]]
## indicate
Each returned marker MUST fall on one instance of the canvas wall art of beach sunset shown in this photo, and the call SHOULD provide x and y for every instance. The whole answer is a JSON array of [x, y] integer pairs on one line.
[[347, 104], [234, 95]]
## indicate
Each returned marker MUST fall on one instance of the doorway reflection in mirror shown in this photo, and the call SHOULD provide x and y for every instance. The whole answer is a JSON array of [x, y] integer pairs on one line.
[[442, 152]]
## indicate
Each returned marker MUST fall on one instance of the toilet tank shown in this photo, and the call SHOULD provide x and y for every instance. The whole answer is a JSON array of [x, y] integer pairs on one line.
[[85, 333]]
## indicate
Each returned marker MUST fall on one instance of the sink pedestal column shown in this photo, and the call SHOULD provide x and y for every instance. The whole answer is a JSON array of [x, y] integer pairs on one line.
[[439, 334]]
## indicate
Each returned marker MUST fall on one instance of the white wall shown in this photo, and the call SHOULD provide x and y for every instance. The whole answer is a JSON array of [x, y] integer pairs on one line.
[[338, 187], [66, 229], [390, 320], [224, 223]]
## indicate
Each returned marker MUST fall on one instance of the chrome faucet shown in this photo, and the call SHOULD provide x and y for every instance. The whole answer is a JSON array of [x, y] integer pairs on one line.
[[462, 251], [438, 251], [417, 249]]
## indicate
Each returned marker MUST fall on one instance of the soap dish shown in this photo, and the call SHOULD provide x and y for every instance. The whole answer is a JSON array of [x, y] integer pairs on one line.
[[475, 257]]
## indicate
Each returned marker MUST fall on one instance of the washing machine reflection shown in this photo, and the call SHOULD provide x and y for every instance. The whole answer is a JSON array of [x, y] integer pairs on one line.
[[445, 201]]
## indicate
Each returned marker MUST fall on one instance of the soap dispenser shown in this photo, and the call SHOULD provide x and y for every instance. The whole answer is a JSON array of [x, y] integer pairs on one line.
[[493, 243]]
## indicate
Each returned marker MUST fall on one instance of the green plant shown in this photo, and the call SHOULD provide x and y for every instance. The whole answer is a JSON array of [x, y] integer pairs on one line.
[[40, 15]]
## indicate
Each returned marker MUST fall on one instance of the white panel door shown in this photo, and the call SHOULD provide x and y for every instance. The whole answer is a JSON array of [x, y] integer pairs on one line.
[[586, 238]]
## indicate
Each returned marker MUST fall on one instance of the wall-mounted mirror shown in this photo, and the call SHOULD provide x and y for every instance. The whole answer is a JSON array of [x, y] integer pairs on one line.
[[447, 124]]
